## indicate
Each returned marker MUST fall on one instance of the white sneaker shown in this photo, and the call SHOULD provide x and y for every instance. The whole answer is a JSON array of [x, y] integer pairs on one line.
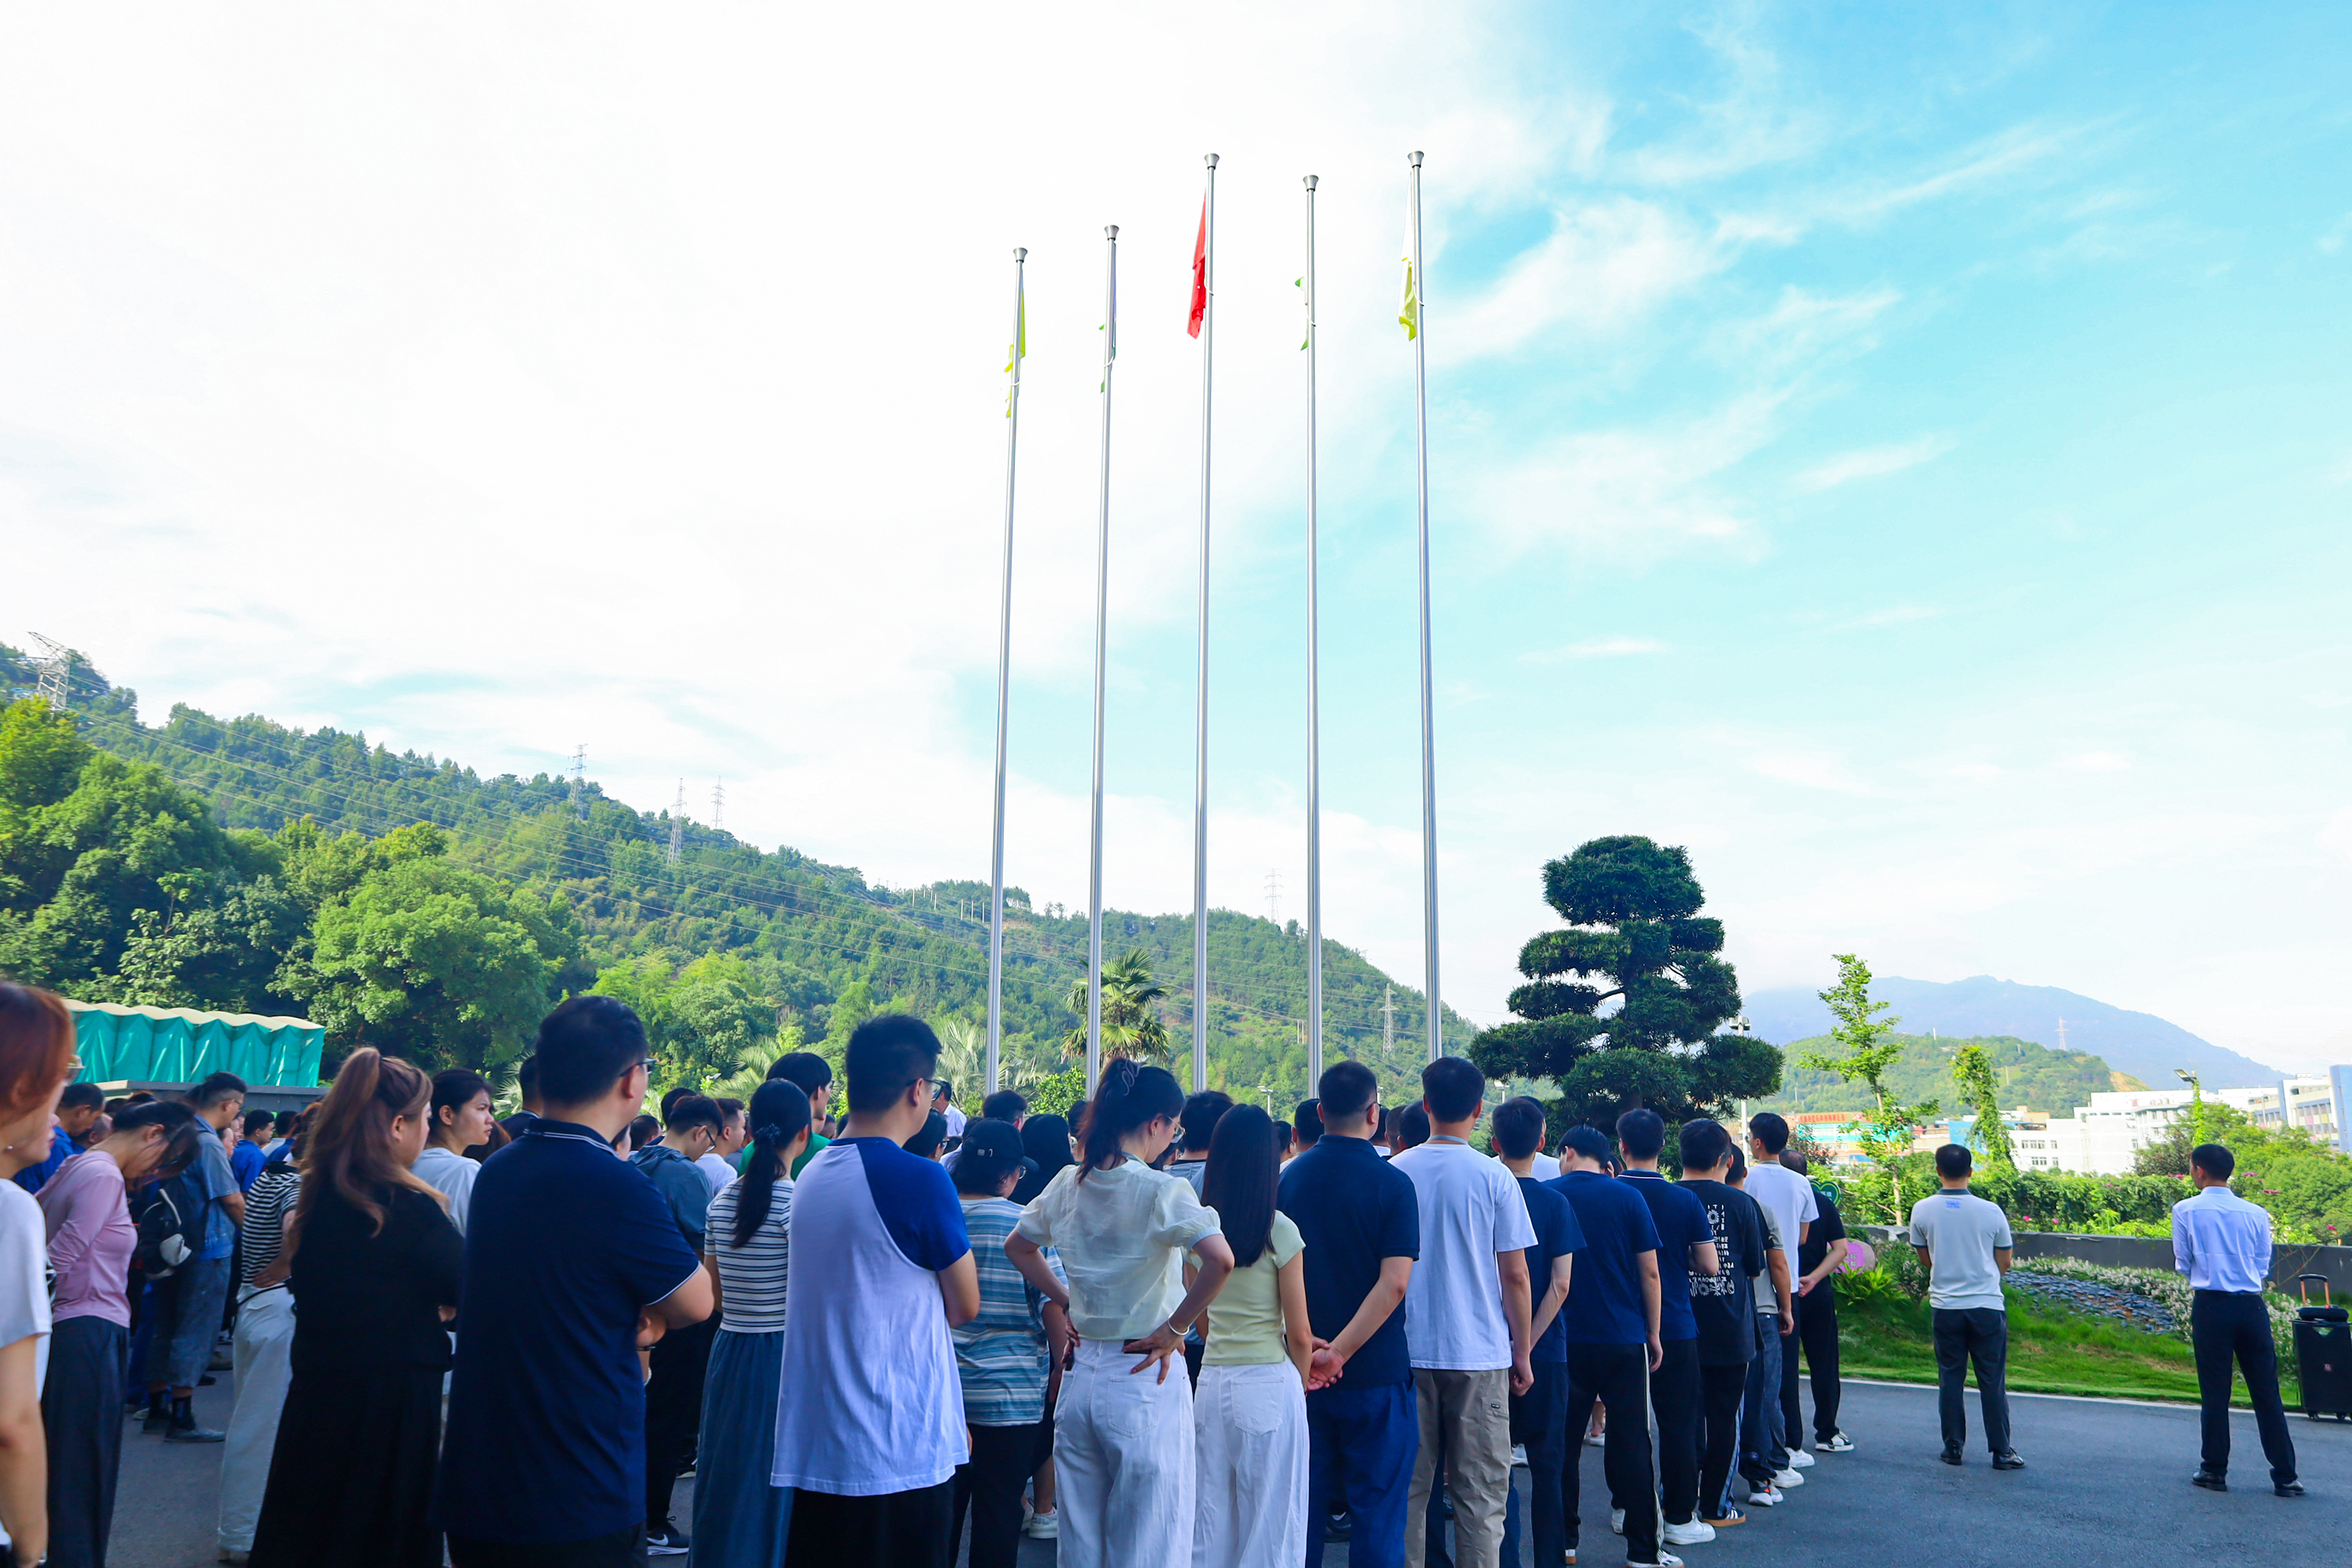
[[1787, 1478], [1836, 1443], [1766, 1497], [1800, 1460], [1045, 1526], [1616, 1522], [1664, 1559], [1697, 1532]]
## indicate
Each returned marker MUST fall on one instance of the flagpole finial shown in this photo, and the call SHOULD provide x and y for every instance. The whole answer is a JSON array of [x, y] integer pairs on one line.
[[1413, 159], [1110, 231], [1311, 182], [1020, 253], [1211, 160]]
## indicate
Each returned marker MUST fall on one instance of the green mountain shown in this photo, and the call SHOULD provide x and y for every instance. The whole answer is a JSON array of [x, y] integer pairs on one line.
[[2030, 1075], [809, 935]]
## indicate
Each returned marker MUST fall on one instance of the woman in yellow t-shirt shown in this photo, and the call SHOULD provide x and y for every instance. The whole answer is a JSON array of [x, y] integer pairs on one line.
[[1249, 1414]]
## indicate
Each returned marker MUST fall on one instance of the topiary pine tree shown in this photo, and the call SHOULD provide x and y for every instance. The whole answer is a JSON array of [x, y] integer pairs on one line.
[[1635, 938]]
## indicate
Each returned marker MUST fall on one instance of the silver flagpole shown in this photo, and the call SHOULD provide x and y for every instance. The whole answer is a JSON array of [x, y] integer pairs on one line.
[[1102, 652], [1314, 692], [1005, 685], [1201, 680], [1428, 705]]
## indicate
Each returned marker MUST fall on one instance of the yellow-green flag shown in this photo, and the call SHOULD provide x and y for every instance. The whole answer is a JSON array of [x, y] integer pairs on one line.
[[1409, 313], [1020, 349]]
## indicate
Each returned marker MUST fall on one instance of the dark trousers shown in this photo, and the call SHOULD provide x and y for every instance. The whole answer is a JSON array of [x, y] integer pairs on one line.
[[1619, 1376], [1817, 1328], [2223, 1324], [1721, 1388], [680, 1361], [1541, 1423], [1360, 1445], [1003, 1457], [81, 1412], [896, 1530], [622, 1549], [1674, 1402], [1762, 1454], [1963, 1336]]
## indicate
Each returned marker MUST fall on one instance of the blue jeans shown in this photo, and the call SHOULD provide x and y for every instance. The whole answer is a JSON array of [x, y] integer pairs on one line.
[[1367, 1440], [1763, 1449], [188, 1321], [1544, 1424]]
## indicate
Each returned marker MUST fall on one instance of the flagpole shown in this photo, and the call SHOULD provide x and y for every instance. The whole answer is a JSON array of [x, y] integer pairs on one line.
[[1004, 682], [1102, 651], [1200, 679], [1428, 705], [1314, 695]]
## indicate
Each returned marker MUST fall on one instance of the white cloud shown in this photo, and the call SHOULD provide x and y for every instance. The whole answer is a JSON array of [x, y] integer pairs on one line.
[[2338, 834], [1813, 770], [1607, 266], [1872, 461], [2096, 762], [1598, 648]]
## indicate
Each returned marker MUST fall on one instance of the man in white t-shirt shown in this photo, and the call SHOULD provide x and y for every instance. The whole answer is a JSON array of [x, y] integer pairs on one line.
[[882, 1268], [1465, 1317], [1789, 1198], [717, 1167], [943, 1101]]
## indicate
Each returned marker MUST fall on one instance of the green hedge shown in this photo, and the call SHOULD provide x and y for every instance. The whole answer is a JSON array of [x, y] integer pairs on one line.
[[2045, 1200]]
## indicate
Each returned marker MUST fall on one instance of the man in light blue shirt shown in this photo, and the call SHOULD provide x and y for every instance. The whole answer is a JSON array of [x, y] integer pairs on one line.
[[2223, 1244]]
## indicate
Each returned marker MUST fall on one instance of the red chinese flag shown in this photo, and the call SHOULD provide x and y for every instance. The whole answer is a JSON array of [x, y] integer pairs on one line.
[[1201, 271]]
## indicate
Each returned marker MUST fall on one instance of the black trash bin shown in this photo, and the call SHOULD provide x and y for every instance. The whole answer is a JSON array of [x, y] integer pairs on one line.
[[2322, 1352]]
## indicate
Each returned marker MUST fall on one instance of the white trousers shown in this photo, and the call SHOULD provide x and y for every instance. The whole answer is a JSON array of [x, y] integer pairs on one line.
[[1123, 1462], [262, 1354], [1249, 1438]]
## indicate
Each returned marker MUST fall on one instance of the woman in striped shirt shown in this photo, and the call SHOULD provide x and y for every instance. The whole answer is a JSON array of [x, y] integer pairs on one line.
[[1002, 1356], [741, 1520]]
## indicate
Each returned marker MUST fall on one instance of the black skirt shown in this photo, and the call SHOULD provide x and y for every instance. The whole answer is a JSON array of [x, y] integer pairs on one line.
[[351, 1481]]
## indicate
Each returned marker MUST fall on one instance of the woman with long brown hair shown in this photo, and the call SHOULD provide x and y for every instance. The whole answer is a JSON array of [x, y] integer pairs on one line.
[[36, 1056], [375, 1260]]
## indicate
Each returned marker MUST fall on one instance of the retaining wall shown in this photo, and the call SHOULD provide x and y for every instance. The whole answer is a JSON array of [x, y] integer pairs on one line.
[[2155, 1252]]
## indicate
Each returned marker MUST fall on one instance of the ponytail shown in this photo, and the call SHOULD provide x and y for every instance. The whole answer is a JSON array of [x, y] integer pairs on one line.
[[1130, 1096], [350, 1147], [779, 1115]]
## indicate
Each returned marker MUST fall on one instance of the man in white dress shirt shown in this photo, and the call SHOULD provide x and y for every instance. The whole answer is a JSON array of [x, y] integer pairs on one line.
[[2223, 1244]]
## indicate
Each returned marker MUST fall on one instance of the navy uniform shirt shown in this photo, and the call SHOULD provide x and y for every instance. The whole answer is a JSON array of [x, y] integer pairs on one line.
[[1557, 1232], [1682, 1220], [565, 1245], [1352, 1209], [1605, 1294]]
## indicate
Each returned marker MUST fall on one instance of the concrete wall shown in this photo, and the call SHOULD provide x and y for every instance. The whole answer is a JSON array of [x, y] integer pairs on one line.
[[2155, 1252]]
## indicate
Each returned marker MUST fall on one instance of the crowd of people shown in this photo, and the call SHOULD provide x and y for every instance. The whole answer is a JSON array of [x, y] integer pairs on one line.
[[1181, 1330]]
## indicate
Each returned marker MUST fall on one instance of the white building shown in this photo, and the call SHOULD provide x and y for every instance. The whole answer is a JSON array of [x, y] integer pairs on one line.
[[2102, 1137]]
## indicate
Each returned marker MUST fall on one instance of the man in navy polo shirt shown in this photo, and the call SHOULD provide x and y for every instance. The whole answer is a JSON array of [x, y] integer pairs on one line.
[[573, 1261], [1539, 1417], [1612, 1336], [1361, 1224], [1686, 1246]]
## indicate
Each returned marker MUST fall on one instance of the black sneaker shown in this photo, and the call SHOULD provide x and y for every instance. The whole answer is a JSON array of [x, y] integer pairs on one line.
[[2008, 1459], [2288, 1488], [2210, 1481], [666, 1540], [1952, 1454]]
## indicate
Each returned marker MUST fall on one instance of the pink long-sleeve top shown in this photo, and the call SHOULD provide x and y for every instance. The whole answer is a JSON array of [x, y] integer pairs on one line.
[[90, 1238]]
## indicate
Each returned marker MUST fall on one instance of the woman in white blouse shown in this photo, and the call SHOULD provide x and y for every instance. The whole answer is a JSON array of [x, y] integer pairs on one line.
[[1122, 1231]]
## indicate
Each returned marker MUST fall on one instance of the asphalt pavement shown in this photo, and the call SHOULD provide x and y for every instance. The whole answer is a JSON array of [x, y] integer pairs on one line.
[[2106, 1486]]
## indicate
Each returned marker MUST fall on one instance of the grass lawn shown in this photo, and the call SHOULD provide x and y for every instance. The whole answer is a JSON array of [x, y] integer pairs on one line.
[[2049, 1352]]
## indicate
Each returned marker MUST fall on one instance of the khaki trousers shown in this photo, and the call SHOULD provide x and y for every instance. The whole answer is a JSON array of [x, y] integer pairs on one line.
[[1466, 1416]]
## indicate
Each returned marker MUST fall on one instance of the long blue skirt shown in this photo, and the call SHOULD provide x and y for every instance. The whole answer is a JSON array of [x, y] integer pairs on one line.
[[740, 1521]]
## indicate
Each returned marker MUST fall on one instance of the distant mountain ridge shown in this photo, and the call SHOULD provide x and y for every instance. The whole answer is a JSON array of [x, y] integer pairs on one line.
[[2146, 1046]]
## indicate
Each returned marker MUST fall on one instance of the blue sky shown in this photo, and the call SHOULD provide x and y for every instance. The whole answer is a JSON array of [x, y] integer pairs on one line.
[[1905, 459]]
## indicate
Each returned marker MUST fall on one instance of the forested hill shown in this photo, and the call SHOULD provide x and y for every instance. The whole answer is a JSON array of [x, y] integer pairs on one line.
[[809, 935], [2029, 1074]]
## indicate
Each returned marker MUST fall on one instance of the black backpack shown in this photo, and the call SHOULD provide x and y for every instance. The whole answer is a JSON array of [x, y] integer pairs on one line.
[[170, 1229]]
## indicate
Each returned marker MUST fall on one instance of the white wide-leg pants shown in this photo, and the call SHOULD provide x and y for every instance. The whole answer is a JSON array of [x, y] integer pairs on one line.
[[1123, 1467], [262, 1354], [1249, 1435]]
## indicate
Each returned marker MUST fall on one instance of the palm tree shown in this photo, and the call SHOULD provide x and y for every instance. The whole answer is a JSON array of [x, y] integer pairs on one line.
[[1131, 1024]]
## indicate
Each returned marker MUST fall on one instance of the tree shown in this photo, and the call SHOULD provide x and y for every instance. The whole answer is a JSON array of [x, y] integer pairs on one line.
[[1635, 938], [1131, 1024], [1871, 1048], [1972, 1069], [430, 961]]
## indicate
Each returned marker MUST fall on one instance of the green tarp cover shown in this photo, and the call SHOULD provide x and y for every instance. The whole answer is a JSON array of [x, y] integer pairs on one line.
[[177, 1045]]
